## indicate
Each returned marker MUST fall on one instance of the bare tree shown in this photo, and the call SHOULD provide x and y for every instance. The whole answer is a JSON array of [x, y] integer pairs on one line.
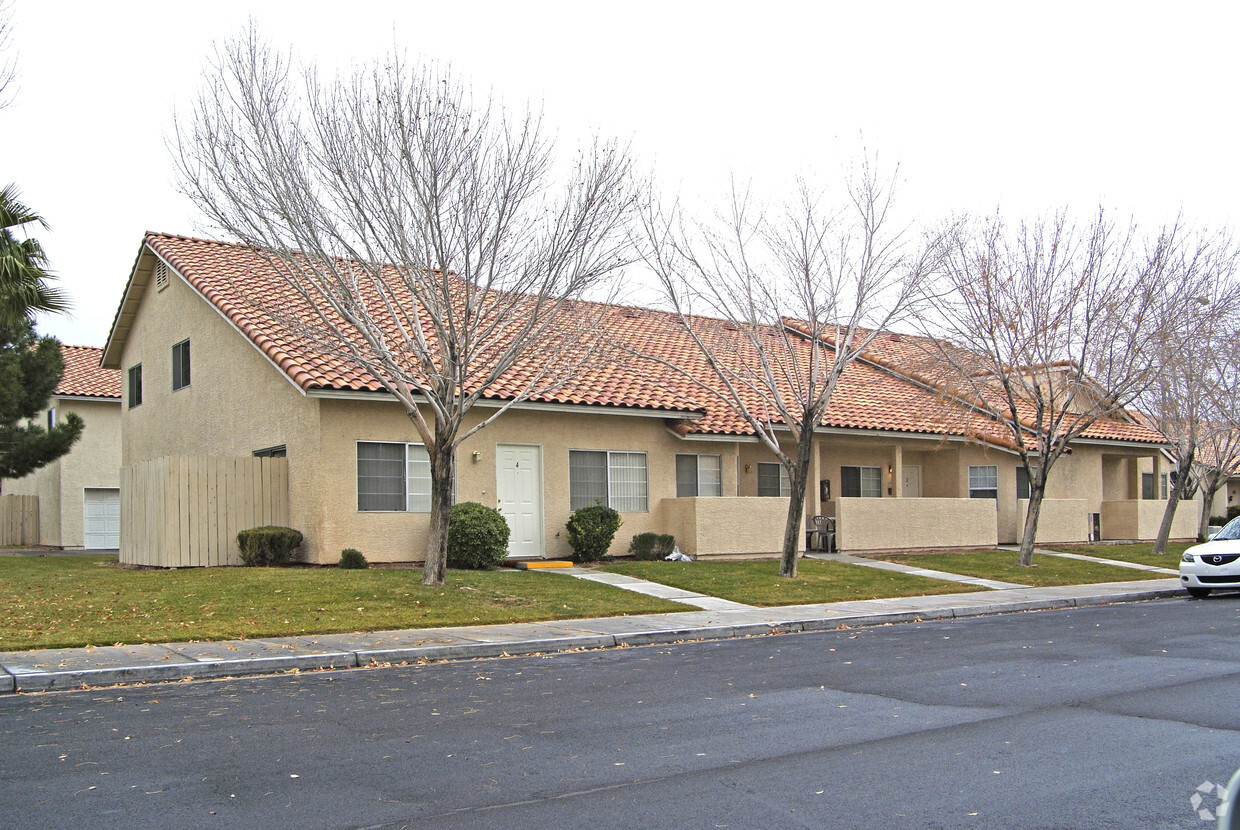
[[1189, 397], [1051, 325], [781, 300], [1217, 460], [8, 64], [423, 234]]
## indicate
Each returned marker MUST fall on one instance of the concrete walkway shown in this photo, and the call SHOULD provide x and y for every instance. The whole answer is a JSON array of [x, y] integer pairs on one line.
[[883, 565], [654, 589], [74, 668]]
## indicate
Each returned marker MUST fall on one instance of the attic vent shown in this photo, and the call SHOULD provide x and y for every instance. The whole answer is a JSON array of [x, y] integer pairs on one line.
[[161, 276]]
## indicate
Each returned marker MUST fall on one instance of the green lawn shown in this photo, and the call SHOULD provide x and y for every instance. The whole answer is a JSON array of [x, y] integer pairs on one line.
[[1046, 570], [759, 583], [1129, 553], [58, 601]]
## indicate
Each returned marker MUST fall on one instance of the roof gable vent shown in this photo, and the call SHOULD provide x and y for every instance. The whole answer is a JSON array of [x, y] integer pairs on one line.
[[161, 276]]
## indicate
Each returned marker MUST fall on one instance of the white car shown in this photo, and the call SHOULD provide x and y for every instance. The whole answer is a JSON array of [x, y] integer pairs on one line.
[[1214, 565]]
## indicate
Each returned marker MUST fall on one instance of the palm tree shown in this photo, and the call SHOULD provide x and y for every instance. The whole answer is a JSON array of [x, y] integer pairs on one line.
[[24, 287]]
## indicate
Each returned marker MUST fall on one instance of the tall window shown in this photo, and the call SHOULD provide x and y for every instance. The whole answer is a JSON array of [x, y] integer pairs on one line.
[[616, 479], [1022, 481], [861, 482], [180, 365], [51, 419], [1149, 485], [393, 477], [984, 482], [773, 479], [698, 475], [135, 385], [1162, 484]]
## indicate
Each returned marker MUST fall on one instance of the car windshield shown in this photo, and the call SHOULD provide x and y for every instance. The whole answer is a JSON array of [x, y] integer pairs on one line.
[[1231, 531]]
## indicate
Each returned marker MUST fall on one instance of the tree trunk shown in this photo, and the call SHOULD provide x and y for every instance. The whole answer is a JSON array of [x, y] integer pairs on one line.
[[442, 464], [796, 506], [1184, 466], [1036, 494], [1209, 486]]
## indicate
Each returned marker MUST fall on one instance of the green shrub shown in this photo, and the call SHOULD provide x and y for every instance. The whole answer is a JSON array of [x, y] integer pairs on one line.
[[269, 545], [590, 531], [477, 536], [651, 546], [352, 559], [1232, 512], [1219, 520]]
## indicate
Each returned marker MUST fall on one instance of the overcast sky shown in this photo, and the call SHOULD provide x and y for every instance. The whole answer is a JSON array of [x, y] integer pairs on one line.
[[1022, 106]]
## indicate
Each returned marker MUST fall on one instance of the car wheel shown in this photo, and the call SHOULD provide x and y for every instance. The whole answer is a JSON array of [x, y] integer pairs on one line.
[[1199, 593]]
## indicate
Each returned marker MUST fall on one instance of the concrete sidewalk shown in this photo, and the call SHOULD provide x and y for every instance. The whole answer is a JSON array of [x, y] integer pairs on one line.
[[55, 669]]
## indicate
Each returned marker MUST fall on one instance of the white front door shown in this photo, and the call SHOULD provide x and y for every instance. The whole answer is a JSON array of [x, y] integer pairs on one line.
[[910, 487], [518, 489], [102, 520]]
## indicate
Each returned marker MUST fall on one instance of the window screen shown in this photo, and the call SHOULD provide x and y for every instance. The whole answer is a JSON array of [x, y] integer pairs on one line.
[[773, 479], [698, 475], [984, 482], [861, 482], [180, 365]]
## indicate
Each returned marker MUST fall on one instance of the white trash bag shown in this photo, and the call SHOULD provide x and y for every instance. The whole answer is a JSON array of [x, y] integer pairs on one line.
[[677, 556]]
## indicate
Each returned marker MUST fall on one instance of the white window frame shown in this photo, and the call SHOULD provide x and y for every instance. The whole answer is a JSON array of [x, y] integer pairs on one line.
[[612, 498], [785, 483], [698, 481], [409, 494], [976, 482]]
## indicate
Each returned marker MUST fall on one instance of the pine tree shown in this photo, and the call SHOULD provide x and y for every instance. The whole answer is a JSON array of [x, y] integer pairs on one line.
[[30, 368]]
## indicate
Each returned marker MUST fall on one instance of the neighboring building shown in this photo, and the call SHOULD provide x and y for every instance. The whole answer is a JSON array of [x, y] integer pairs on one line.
[[79, 493], [211, 369]]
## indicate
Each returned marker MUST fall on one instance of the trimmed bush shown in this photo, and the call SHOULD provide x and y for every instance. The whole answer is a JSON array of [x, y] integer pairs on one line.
[[352, 559], [590, 532], [651, 546], [477, 536], [270, 545], [1232, 512]]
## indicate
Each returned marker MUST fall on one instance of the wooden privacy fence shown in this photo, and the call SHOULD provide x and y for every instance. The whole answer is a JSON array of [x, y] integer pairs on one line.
[[185, 511], [19, 520]]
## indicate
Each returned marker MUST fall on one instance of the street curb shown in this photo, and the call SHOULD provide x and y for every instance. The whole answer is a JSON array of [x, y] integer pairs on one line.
[[186, 667]]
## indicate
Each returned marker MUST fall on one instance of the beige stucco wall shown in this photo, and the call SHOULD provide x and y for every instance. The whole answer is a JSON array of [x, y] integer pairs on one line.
[[728, 526], [236, 403], [888, 524], [94, 461], [1059, 520]]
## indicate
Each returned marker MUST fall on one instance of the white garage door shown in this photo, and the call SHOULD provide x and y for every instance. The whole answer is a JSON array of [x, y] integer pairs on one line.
[[103, 517]]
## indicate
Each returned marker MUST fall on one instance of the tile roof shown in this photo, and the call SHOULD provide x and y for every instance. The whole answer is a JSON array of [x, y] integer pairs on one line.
[[641, 348], [84, 378]]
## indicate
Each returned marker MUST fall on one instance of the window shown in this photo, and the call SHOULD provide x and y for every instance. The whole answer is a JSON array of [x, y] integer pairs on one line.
[[392, 477], [135, 385], [616, 479], [984, 482], [51, 419], [272, 452], [1162, 484], [698, 475], [1148, 487], [180, 365], [1022, 481], [773, 479], [861, 482]]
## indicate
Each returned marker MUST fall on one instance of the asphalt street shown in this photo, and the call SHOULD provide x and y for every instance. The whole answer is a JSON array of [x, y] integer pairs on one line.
[[1098, 717]]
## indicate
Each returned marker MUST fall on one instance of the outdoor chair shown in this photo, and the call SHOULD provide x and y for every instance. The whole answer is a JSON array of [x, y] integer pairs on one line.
[[822, 537]]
